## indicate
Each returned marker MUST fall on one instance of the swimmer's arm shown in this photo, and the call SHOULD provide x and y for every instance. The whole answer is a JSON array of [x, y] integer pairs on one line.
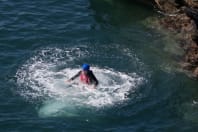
[[94, 79], [75, 76]]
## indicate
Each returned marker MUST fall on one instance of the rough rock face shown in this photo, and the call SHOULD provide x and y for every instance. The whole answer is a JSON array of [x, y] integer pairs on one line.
[[181, 18], [192, 3], [167, 6]]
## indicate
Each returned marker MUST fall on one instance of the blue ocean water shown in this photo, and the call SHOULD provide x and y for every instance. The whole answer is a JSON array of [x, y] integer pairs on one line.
[[44, 43]]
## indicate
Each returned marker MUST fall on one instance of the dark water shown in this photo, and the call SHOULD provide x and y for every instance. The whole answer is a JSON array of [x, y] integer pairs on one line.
[[42, 43]]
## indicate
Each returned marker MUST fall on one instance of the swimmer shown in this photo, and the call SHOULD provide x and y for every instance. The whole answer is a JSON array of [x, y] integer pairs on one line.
[[86, 76]]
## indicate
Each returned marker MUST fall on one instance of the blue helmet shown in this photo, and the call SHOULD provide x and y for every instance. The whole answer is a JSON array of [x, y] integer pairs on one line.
[[85, 67]]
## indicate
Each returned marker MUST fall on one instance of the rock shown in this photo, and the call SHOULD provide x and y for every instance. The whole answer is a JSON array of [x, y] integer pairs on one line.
[[192, 13], [192, 3], [167, 6], [191, 55], [180, 23], [181, 18], [187, 66], [195, 72]]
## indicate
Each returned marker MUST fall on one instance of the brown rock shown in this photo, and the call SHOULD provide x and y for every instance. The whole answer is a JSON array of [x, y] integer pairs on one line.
[[167, 6], [187, 66], [195, 72], [181, 18], [192, 55], [192, 3]]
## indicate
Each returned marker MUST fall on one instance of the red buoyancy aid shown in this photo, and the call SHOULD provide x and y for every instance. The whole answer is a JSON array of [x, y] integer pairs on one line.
[[84, 78]]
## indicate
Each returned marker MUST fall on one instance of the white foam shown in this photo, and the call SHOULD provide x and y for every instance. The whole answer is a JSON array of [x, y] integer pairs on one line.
[[38, 78]]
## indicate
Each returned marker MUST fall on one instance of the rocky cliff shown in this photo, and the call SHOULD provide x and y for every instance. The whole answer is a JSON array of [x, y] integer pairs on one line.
[[181, 18]]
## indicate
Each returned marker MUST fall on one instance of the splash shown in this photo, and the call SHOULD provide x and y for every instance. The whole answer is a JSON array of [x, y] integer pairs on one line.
[[42, 78]]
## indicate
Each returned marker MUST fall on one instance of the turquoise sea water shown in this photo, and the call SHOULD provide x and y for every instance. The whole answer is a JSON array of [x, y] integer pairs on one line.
[[43, 43]]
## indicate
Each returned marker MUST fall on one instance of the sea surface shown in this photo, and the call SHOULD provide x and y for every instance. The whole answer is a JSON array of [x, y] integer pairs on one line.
[[44, 43]]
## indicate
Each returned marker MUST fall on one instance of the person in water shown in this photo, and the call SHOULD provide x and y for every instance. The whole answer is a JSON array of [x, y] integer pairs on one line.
[[86, 76]]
